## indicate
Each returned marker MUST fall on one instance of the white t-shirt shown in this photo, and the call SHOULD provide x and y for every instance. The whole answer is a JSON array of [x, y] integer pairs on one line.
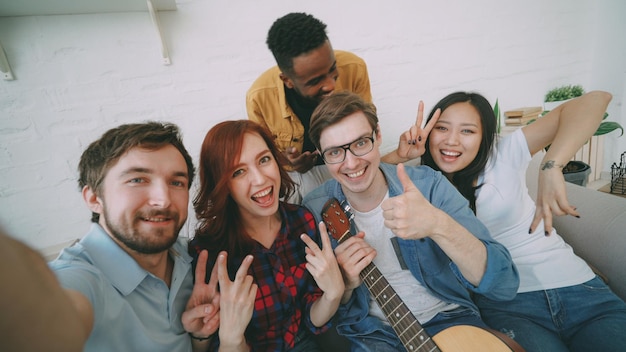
[[422, 304], [505, 207]]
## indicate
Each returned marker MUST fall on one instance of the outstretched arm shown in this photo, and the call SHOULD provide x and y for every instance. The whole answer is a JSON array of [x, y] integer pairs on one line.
[[565, 129], [37, 313]]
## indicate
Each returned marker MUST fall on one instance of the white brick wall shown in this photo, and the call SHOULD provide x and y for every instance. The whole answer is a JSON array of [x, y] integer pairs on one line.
[[77, 76]]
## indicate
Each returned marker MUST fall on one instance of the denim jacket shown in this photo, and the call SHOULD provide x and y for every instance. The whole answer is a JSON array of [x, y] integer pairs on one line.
[[424, 258]]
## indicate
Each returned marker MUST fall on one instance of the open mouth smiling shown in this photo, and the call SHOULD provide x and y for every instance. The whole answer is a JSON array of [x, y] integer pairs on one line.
[[356, 174], [263, 195]]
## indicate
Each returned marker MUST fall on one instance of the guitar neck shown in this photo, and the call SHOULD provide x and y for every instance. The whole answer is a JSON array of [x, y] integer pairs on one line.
[[338, 219], [399, 316]]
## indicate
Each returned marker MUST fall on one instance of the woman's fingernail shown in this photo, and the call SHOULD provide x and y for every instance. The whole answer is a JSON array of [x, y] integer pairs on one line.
[[530, 230], [547, 233]]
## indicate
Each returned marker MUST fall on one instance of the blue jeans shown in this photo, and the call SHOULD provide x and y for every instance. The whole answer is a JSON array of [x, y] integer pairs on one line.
[[305, 342], [585, 317], [441, 321]]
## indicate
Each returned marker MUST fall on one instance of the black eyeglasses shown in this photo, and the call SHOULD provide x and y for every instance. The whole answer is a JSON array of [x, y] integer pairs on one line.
[[360, 147]]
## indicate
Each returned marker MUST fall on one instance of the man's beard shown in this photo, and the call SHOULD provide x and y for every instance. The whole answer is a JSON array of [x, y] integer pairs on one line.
[[154, 242], [310, 101]]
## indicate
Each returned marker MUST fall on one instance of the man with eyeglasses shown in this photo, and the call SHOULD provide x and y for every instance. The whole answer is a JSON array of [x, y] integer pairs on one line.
[[282, 99], [414, 225]]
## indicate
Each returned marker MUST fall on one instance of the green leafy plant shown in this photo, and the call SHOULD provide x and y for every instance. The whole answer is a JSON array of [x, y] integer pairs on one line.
[[496, 111], [608, 126], [564, 93]]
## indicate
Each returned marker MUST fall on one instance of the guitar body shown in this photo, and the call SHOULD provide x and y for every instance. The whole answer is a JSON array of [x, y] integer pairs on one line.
[[461, 338], [467, 338]]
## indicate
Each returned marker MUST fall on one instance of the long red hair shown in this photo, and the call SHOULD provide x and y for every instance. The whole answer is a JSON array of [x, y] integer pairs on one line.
[[219, 226]]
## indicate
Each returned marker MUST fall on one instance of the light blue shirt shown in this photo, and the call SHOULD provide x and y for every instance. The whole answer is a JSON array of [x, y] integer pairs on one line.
[[133, 309]]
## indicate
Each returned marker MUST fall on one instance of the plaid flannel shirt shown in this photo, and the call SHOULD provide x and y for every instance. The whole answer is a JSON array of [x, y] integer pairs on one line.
[[286, 290]]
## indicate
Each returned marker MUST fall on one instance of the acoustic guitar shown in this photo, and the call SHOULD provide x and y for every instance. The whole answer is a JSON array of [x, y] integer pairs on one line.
[[460, 338]]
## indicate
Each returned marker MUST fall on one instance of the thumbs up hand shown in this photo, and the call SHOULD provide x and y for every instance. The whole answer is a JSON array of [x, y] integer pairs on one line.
[[409, 215]]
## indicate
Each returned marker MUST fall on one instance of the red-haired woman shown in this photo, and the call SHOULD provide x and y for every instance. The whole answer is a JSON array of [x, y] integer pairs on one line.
[[299, 285]]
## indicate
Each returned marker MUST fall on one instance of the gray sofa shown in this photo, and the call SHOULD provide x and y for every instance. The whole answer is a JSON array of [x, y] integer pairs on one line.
[[599, 236]]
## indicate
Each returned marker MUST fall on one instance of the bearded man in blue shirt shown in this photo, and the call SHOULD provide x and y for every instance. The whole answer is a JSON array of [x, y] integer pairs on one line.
[[130, 277]]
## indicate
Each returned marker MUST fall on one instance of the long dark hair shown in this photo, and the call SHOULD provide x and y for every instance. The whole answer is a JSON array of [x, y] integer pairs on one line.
[[220, 226], [464, 179]]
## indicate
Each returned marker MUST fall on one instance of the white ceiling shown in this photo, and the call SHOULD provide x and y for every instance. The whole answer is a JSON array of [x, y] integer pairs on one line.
[[71, 7]]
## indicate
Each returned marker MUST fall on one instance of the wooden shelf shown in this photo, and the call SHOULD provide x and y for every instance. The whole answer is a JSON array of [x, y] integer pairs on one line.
[[77, 7]]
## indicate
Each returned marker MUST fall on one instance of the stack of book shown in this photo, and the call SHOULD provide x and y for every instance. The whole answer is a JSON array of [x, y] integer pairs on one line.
[[522, 116]]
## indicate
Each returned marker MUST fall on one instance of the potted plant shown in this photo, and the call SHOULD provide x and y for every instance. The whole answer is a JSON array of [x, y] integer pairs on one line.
[[559, 95], [576, 171]]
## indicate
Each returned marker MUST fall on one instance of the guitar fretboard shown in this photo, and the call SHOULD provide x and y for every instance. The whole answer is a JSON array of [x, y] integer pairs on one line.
[[409, 331]]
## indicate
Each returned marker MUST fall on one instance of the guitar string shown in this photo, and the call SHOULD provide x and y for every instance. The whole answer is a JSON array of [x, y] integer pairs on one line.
[[400, 317]]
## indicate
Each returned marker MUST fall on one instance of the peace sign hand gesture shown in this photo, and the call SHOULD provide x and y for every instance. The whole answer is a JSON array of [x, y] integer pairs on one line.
[[322, 264], [237, 303], [201, 317], [412, 143]]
